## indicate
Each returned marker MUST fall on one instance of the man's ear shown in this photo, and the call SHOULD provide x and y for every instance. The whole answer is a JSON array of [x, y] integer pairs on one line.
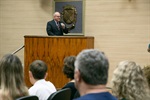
[[30, 74], [45, 75], [77, 75], [32, 80]]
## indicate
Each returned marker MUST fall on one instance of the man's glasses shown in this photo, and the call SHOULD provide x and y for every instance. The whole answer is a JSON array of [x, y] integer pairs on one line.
[[57, 16]]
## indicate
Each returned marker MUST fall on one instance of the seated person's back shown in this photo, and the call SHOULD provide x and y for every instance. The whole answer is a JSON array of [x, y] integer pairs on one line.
[[41, 88]]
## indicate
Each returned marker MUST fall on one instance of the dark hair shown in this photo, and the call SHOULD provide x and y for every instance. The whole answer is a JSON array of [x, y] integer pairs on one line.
[[93, 66], [68, 68], [38, 69]]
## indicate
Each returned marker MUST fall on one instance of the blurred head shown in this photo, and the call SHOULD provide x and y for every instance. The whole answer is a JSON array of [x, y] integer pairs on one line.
[[91, 66], [146, 71], [38, 70], [56, 16], [129, 81], [68, 68], [11, 76]]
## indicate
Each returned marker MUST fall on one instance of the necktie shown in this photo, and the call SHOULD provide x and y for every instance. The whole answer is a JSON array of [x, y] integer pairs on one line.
[[58, 26]]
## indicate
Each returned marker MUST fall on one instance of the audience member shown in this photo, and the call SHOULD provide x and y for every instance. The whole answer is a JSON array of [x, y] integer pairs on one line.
[[41, 88], [148, 48], [91, 74], [146, 70], [68, 70], [55, 27], [129, 82], [12, 85]]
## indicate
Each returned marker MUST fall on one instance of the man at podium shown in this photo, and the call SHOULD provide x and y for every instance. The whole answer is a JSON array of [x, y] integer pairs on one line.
[[55, 27]]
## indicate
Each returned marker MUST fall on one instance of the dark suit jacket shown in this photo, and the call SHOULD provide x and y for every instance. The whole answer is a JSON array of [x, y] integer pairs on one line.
[[52, 29]]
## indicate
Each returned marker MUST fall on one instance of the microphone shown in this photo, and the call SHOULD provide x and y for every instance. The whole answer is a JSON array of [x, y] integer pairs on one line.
[[63, 25]]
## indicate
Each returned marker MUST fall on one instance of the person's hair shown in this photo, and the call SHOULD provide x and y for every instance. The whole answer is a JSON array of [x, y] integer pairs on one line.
[[12, 83], [129, 82], [68, 68], [38, 69], [55, 14], [146, 71], [93, 66]]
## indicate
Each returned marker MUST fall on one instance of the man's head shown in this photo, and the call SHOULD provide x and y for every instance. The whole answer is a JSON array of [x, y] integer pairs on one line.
[[38, 70], [91, 67], [56, 16]]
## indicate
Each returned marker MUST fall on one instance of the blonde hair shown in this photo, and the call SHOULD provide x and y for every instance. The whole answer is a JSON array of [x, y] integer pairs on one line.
[[146, 70], [129, 82], [11, 78]]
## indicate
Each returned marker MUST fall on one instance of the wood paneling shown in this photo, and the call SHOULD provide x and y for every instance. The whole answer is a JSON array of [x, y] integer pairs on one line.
[[53, 50]]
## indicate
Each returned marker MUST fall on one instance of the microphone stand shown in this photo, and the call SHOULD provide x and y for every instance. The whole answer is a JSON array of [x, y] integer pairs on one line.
[[18, 49]]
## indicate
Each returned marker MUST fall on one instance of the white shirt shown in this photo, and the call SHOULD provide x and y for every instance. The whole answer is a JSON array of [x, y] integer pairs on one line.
[[43, 89]]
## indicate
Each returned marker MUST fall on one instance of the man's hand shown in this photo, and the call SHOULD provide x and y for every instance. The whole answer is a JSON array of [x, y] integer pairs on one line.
[[63, 25]]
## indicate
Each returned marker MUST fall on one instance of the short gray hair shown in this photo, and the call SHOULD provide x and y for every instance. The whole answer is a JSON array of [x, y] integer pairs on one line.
[[93, 66], [55, 13]]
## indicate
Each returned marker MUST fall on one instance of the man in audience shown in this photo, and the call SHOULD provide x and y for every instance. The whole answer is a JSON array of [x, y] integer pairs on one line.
[[41, 88], [91, 74]]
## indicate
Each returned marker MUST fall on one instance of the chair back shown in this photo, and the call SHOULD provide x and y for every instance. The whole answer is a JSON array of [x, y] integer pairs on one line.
[[63, 94], [31, 97]]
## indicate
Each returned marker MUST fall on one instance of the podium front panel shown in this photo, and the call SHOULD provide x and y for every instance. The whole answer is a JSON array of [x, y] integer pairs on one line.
[[52, 50]]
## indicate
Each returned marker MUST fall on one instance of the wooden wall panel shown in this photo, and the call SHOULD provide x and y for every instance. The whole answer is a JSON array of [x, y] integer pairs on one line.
[[52, 50]]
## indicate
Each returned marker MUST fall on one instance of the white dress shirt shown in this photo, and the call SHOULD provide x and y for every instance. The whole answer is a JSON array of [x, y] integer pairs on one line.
[[43, 89]]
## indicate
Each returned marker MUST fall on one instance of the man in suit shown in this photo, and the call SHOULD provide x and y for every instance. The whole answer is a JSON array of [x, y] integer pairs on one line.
[[55, 27]]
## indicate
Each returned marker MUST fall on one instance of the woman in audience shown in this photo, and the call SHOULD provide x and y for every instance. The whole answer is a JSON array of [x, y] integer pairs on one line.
[[12, 83], [146, 70], [68, 70], [129, 82]]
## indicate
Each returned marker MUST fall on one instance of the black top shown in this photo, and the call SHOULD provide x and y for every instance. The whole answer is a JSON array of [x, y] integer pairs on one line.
[[72, 87]]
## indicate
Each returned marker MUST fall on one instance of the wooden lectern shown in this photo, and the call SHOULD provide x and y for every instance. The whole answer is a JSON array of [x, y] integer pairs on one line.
[[52, 50]]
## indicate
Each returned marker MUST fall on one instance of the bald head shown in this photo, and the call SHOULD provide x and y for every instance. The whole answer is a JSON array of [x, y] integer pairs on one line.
[[56, 13], [56, 16]]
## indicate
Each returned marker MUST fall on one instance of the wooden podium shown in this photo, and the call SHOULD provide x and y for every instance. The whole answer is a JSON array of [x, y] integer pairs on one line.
[[52, 50]]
